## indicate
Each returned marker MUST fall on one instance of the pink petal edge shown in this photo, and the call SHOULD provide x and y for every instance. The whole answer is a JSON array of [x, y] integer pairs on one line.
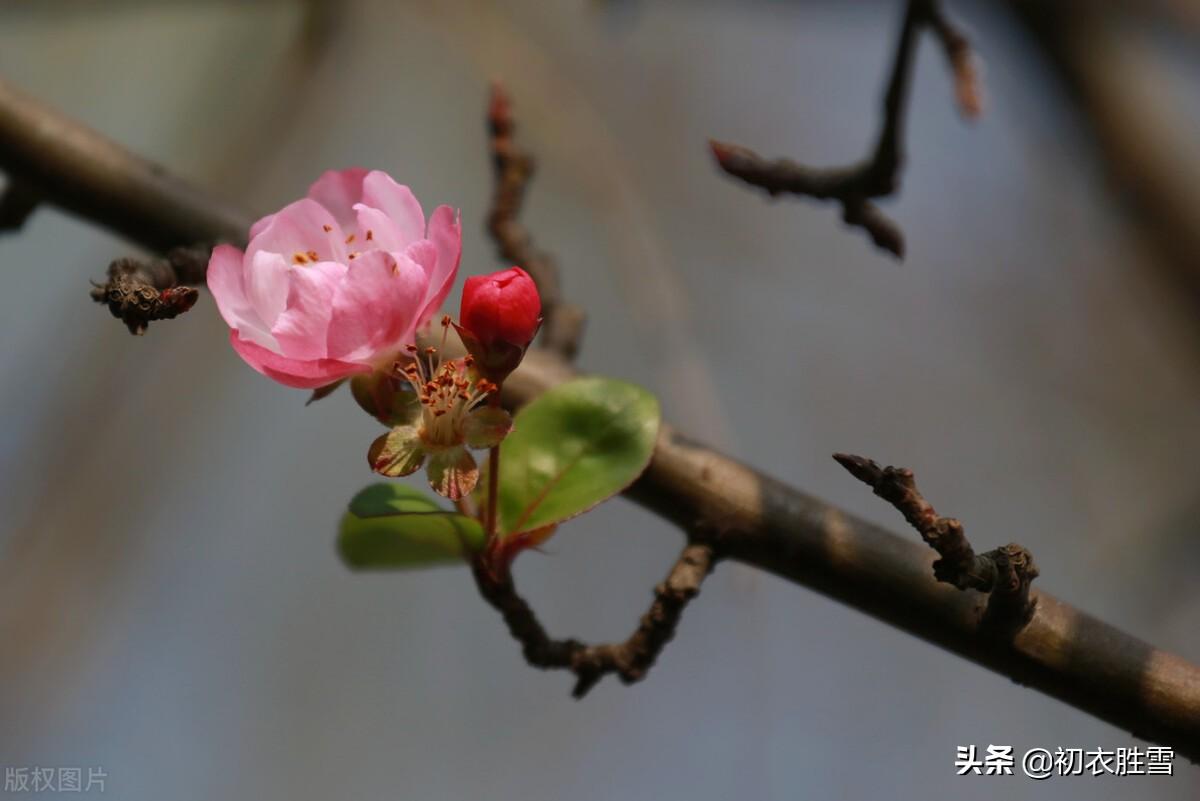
[[296, 373]]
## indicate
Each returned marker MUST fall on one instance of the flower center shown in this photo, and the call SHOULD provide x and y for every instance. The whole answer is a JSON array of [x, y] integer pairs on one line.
[[446, 391]]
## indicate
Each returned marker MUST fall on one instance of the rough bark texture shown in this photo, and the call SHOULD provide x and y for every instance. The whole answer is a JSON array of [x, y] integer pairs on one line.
[[1006, 573], [629, 660]]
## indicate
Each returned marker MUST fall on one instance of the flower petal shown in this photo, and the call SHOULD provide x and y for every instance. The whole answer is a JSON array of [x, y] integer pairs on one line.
[[397, 453], [375, 307], [487, 427], [425, 254], [445, 232], [293, 372], [397, 202], [260, 224], [303, 327], [376, 231], [453, 473], [301, 232], [338, 191], [266, 281], [225, 283]]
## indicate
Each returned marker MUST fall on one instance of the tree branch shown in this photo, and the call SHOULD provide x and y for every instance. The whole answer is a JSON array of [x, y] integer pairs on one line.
[[564, 322], [855, 186], [748, 516], [1006, 573], [50, 159], [17, 203], [629, 660], [1143, 140], [102, 182], [139, 291]]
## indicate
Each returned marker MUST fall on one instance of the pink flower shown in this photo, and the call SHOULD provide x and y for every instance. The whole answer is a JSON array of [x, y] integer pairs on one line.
[[338, 282]]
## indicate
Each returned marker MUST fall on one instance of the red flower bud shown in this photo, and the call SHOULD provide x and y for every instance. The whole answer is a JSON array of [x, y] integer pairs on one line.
[[501, 307], [500, 316]]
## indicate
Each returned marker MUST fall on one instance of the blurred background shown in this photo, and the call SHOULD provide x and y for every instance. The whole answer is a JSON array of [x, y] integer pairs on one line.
[[171, 607]]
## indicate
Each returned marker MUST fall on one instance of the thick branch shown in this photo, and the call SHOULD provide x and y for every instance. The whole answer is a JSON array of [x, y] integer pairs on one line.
[[748, 516], [98, 180], [1006, 573], [17, 203], [629, 660], [855, 186], [49, 158], [564, 322]]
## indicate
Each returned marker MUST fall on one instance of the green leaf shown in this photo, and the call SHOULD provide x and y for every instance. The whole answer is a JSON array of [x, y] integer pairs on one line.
[[573, 447], [389, 526]]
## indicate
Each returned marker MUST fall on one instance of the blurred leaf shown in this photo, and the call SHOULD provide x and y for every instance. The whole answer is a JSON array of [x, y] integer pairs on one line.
[[389, 526], [573, 447]]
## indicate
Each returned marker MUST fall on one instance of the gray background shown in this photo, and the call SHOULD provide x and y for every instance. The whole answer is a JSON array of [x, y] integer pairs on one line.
[[170, 604]]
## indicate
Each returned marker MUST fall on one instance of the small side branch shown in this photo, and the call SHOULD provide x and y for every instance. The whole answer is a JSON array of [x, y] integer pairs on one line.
[[138, 292], [855, 186], [564, 322], [629, 660], [1005, 573]]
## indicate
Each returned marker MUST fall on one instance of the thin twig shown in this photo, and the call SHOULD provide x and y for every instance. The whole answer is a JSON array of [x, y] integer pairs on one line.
[[855, 186], [1006, 573], [564, 322], [629, 660]]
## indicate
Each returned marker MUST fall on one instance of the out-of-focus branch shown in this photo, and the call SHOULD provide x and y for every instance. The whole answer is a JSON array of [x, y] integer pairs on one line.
[[855, 187], [564, 321], [629, 660], [750, 517], [1144, 143], [98, 180], [1006, 573], [17, 203], [49, 158]]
